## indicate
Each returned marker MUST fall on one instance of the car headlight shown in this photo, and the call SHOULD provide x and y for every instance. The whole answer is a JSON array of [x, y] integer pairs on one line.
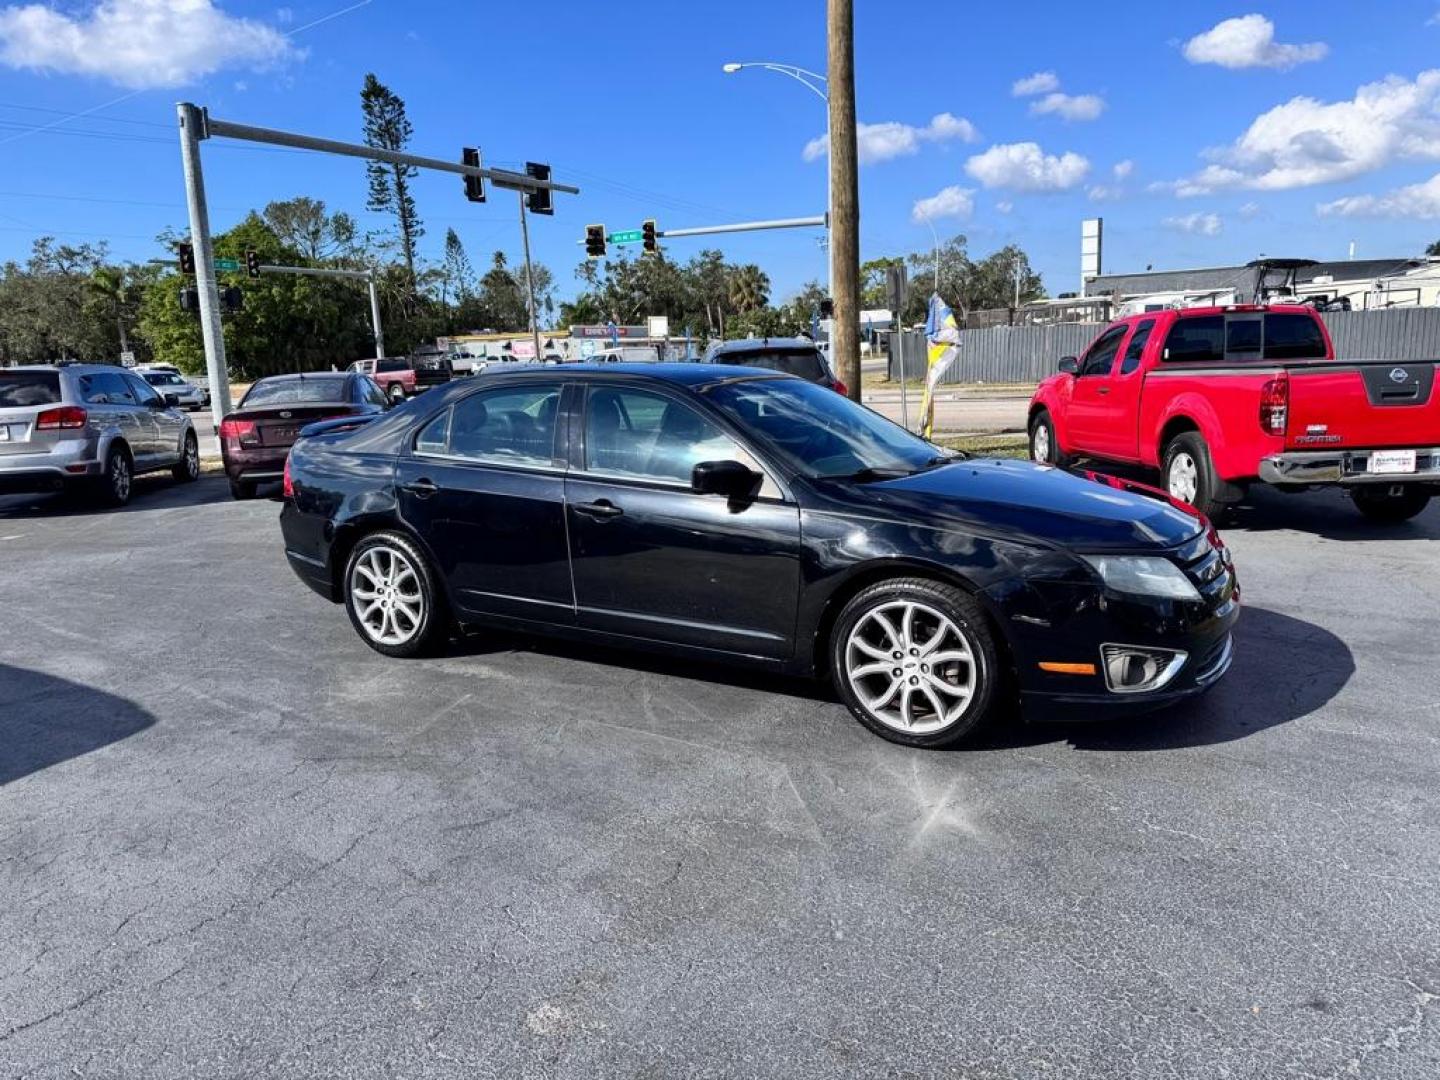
[[1143, 576]]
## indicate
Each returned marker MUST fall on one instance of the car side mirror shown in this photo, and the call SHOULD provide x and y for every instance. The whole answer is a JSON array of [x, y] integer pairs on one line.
[[1069, 365], [169, 401], [728, 478]]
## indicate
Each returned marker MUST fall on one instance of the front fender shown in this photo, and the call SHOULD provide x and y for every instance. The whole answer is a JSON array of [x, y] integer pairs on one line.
[[1053, 395]]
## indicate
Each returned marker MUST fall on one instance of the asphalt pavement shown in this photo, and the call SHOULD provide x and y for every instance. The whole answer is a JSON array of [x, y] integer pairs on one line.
[[235, 842]]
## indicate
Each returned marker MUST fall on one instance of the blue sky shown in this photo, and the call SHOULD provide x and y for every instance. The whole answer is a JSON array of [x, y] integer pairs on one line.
[[1202, 133]]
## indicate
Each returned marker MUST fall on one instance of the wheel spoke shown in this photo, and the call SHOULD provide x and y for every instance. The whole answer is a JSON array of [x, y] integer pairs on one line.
[[960, 690], [935, 703], [882, 667], [961, 655], [861, 645], [889, 628], [935, 639], [884, 699], [411, 612], [906, 712], [907, 627]]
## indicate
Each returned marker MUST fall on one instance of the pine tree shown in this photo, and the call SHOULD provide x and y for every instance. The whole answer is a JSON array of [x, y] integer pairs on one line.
[[388, 128]]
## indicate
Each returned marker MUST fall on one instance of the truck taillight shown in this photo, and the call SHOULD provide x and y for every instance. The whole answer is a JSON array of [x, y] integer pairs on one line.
[[841, 388], [1274, 405], [65, 417]]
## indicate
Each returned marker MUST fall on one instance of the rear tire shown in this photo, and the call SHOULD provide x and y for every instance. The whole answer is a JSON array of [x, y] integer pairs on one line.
[[916, 662], [241, 490], [397, 394], [116, 484], [187, 469], [1044, 446], [1386, 508], [1189, 473], [392, 597]]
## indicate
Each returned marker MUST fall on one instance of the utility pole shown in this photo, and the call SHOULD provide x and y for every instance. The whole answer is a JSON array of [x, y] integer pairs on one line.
[[375, 318], [530, 283], [844, 193], [192, 130]]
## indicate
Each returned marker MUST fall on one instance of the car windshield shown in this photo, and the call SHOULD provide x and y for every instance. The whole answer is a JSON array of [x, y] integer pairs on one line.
[[294, 391], [19, 388], [162, 378], [822, 434], [805, 363]]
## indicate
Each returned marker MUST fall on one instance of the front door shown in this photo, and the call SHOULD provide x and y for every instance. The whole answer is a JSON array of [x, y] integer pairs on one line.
[[1116, 432], [483, 485], [652, 559], [1085, 418], [165, 423]]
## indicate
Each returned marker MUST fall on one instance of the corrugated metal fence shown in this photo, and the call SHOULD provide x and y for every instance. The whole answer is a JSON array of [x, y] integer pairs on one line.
[[1026, 354]]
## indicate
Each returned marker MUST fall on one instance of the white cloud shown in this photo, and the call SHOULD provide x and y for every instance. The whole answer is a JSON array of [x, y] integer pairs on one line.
[[1249, 42], [140, 44], [1042, 82], [1123, 169], [1197, 224], [1413, 201], [1025, 167], [1069, 106], [1305, 141], [892, 139], [1004, 206], [1250, 211], [1103, 193], [953, 201]]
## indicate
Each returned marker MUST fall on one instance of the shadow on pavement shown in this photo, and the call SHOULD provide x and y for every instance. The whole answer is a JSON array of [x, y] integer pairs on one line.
[[1328, 513], [1284, 668], [158, 492], [45, 720]]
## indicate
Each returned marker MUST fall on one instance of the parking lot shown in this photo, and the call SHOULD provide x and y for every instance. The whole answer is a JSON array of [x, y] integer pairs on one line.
[[236, 842]]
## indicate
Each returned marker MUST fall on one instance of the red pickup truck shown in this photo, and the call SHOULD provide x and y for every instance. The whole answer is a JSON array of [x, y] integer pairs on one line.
[[1219, 398]]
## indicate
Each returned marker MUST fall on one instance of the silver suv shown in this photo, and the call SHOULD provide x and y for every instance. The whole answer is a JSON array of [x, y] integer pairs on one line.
[[91, 426]]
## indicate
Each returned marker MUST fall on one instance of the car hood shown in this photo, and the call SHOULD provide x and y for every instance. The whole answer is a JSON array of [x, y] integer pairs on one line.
[[1086, 511]]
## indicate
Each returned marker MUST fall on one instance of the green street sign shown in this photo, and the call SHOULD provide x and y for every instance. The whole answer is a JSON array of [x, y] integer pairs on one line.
[[631, 236], [234, 264]]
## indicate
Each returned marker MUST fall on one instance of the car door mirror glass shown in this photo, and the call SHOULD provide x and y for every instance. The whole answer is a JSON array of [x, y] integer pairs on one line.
[[1069, 365], [169, 401], [729, 478]]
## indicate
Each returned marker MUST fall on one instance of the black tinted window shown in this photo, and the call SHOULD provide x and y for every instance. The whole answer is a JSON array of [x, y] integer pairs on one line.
[[1242, 337], [28, 388], [805, 363], [295, 391], [1293, 337], [513, 426], [1136, 349], [1101, 357], [1196, 339], [635, 433], [392, 365]]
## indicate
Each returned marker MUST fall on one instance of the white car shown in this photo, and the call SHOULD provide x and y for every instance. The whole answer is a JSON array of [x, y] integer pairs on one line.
[[166, 380]]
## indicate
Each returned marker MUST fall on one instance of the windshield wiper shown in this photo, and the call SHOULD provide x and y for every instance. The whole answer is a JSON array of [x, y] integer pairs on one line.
[[870, 474]]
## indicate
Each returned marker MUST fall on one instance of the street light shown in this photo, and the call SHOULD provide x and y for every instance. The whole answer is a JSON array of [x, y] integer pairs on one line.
[[812, 81]]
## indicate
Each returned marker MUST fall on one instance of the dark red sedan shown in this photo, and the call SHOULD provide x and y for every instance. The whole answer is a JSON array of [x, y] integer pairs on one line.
[[256, 438]]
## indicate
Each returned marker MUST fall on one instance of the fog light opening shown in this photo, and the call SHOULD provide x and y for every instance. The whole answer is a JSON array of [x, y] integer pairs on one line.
[[1137, 669]]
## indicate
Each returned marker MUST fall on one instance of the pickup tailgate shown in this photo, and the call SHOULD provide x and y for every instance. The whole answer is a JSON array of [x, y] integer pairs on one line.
[[1363, 405]]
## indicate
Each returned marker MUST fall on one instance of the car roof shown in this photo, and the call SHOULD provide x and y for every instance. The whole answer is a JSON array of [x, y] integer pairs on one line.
[[743, 345], [691, 374], [78, 369], [300, 376]]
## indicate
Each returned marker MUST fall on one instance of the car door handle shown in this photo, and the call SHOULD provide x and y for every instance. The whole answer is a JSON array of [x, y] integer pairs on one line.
[[1102, 389], [600, 508], [424, 487]]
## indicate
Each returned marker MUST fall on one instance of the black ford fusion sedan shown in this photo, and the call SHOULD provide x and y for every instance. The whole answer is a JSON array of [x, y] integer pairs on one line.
[[742, 515]]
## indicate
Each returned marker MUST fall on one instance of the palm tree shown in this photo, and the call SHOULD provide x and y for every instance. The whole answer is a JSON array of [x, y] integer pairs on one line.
[[115, 291], [749, 288]]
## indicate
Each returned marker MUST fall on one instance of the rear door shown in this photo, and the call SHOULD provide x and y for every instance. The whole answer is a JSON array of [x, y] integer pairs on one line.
[[24, 395], [1087, 413], [484, 486], [652, 559]]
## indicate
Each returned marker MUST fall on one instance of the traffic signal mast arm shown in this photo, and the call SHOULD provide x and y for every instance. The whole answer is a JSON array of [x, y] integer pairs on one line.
[[636, 236]]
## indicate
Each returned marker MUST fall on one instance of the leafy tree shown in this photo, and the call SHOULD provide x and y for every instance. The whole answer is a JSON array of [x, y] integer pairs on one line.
[[303, 225], [115, 293], [749, 289], [48, 306], [458, 276], [388, 128], [501, 298], [1433, 249]]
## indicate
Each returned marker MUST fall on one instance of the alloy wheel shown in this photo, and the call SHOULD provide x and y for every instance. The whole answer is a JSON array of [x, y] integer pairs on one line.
[[911, 667], [192, 458], [1040, 444], [386, 592], [120, 478], [1184, 479]]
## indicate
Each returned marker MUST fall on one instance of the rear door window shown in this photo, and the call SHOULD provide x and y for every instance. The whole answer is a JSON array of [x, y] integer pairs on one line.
[[1136, 349], [806, 363], [1196, 340], [1291, 336], [21, 388], [510, 426]]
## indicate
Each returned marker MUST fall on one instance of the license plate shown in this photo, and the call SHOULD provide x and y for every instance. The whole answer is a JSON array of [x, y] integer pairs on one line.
[[1392, 461], [282, 434]]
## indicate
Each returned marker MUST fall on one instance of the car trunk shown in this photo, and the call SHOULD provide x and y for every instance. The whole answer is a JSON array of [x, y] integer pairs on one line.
[[24, 395], [1366, 405], [280, 425]]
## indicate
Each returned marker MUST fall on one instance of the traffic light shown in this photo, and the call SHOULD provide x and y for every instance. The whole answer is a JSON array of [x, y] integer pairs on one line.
[[594, 241], [647, 229], [540, 201], [474, 185], [252, 262], [190, 299], [232, 299], [187, 258]]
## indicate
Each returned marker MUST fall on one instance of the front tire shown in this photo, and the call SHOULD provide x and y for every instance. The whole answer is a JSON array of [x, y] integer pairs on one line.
[[392, 597], [1188, 473], [187, 469], [1388, 507], [915, 662], [1044, 446], [397, 394]]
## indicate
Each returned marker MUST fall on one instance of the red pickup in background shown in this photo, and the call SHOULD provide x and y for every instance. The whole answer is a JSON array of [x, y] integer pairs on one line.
[[1219, 398]]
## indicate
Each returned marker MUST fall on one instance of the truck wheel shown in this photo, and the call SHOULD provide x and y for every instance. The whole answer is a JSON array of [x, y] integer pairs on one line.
[[1388, 505], [1044, 447], [397, 394], [1189, 474]]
